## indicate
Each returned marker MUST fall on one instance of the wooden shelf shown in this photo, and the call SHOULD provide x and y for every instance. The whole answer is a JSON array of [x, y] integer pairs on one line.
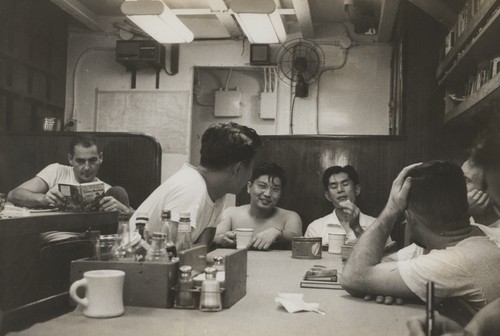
[[32, 99], [477, 101], [482, 47], [452, 58], [28, 64]]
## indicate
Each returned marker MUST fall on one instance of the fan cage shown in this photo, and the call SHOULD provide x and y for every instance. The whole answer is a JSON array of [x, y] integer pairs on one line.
[[291, 57]]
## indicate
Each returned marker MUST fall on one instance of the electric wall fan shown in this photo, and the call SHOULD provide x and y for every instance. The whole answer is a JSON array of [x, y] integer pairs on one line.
[[300, 63]]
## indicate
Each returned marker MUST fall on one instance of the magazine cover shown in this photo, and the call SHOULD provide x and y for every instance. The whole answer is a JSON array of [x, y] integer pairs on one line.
[[83, 197]]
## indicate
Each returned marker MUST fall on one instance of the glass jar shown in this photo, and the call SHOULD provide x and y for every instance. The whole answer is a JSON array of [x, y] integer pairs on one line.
[[157, 252], [107, 244]]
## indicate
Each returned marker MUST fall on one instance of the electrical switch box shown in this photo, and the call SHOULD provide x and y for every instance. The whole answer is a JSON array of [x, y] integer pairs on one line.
[[227, 103], [268, 105]]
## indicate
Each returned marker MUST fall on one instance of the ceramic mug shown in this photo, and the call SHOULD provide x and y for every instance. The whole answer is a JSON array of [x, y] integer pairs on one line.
[[103, 295]]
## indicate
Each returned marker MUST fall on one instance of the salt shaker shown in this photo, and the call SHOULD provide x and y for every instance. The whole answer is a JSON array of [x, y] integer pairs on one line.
[[210, 299], [184, 297]]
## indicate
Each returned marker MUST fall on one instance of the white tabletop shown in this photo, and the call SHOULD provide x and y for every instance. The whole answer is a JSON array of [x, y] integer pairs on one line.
[[269, 273]]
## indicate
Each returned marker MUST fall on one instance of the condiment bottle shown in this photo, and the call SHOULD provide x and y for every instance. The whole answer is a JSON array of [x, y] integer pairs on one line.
[[167, 228], [210, 299], [95, 245], [184, 296], [141, 221], [157, 252], [123, 242], [219, 266], [184, 240]]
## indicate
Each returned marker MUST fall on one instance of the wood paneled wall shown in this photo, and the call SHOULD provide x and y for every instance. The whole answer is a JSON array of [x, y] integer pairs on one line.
[[377, 159], [131, 160]]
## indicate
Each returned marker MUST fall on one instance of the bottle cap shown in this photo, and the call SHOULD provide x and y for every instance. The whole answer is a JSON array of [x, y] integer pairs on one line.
[[142, 216], [210, 272], [166, 214], [185, 215]]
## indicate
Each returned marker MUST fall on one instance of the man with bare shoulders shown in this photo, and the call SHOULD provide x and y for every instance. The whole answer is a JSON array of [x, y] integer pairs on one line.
[[274, 227]]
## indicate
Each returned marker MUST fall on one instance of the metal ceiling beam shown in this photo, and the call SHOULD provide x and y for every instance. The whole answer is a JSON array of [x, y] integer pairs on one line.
[[303, 13], [438, 10], [220, 9], [388, 15], [81, 13]]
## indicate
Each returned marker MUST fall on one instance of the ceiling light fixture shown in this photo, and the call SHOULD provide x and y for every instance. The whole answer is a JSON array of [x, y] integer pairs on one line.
[[259, 20], [157, 20]]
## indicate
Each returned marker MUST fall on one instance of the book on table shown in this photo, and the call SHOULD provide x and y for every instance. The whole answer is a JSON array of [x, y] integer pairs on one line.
[[320, 278], [82, 197]]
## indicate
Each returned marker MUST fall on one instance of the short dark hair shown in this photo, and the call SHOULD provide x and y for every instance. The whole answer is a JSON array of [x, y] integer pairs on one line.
[[333, 170], [270, 169], [225, 144], [84, 140], [438, 192]]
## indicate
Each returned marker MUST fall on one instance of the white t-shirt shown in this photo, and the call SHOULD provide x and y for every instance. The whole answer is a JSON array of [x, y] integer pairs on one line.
[[321, 227], [185, 191], [56, 173], [468, 270]]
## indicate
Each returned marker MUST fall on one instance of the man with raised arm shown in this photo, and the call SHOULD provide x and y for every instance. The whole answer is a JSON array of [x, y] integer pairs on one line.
[[462, 259]]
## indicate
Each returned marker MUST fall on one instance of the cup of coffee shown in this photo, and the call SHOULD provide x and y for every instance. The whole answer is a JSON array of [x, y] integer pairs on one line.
[[243, 238], [335, 242], [103, 295]]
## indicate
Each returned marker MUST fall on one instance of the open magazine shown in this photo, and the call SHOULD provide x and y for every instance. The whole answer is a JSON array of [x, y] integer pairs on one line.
[[83, 197]]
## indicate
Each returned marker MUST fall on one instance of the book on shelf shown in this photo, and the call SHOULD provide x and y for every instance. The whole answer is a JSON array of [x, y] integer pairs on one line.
[[82, 197]]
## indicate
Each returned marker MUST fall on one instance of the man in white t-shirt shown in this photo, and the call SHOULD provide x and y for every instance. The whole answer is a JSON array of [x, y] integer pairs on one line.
[[84, 159], [341, 189], [226, 164], [462, 259]]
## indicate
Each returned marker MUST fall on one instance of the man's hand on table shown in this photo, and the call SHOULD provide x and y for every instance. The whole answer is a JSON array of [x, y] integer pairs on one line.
[[264, 239], [388, 300]]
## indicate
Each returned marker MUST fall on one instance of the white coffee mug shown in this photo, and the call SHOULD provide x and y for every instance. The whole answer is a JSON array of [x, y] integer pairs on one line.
[[335, 242], [104, 293], [243, 238]]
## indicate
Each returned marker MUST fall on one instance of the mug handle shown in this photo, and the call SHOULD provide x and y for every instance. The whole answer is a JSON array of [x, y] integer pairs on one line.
[[74, 287]]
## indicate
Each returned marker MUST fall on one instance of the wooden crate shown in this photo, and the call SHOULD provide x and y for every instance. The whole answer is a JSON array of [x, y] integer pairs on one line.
[[147, 284]]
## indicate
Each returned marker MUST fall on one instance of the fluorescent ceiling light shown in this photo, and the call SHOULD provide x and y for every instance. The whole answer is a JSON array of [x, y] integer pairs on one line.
[[259, 20], [262, 28], [157, 20]]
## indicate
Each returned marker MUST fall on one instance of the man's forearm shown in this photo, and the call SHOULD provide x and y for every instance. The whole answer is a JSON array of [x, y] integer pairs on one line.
[[369, 249], [25, 197]]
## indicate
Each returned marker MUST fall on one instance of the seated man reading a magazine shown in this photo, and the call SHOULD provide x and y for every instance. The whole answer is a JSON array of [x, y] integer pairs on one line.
[[84, 159]]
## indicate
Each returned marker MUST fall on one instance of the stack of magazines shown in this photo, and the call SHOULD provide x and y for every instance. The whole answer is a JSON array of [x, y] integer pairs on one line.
[[318, 277]]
